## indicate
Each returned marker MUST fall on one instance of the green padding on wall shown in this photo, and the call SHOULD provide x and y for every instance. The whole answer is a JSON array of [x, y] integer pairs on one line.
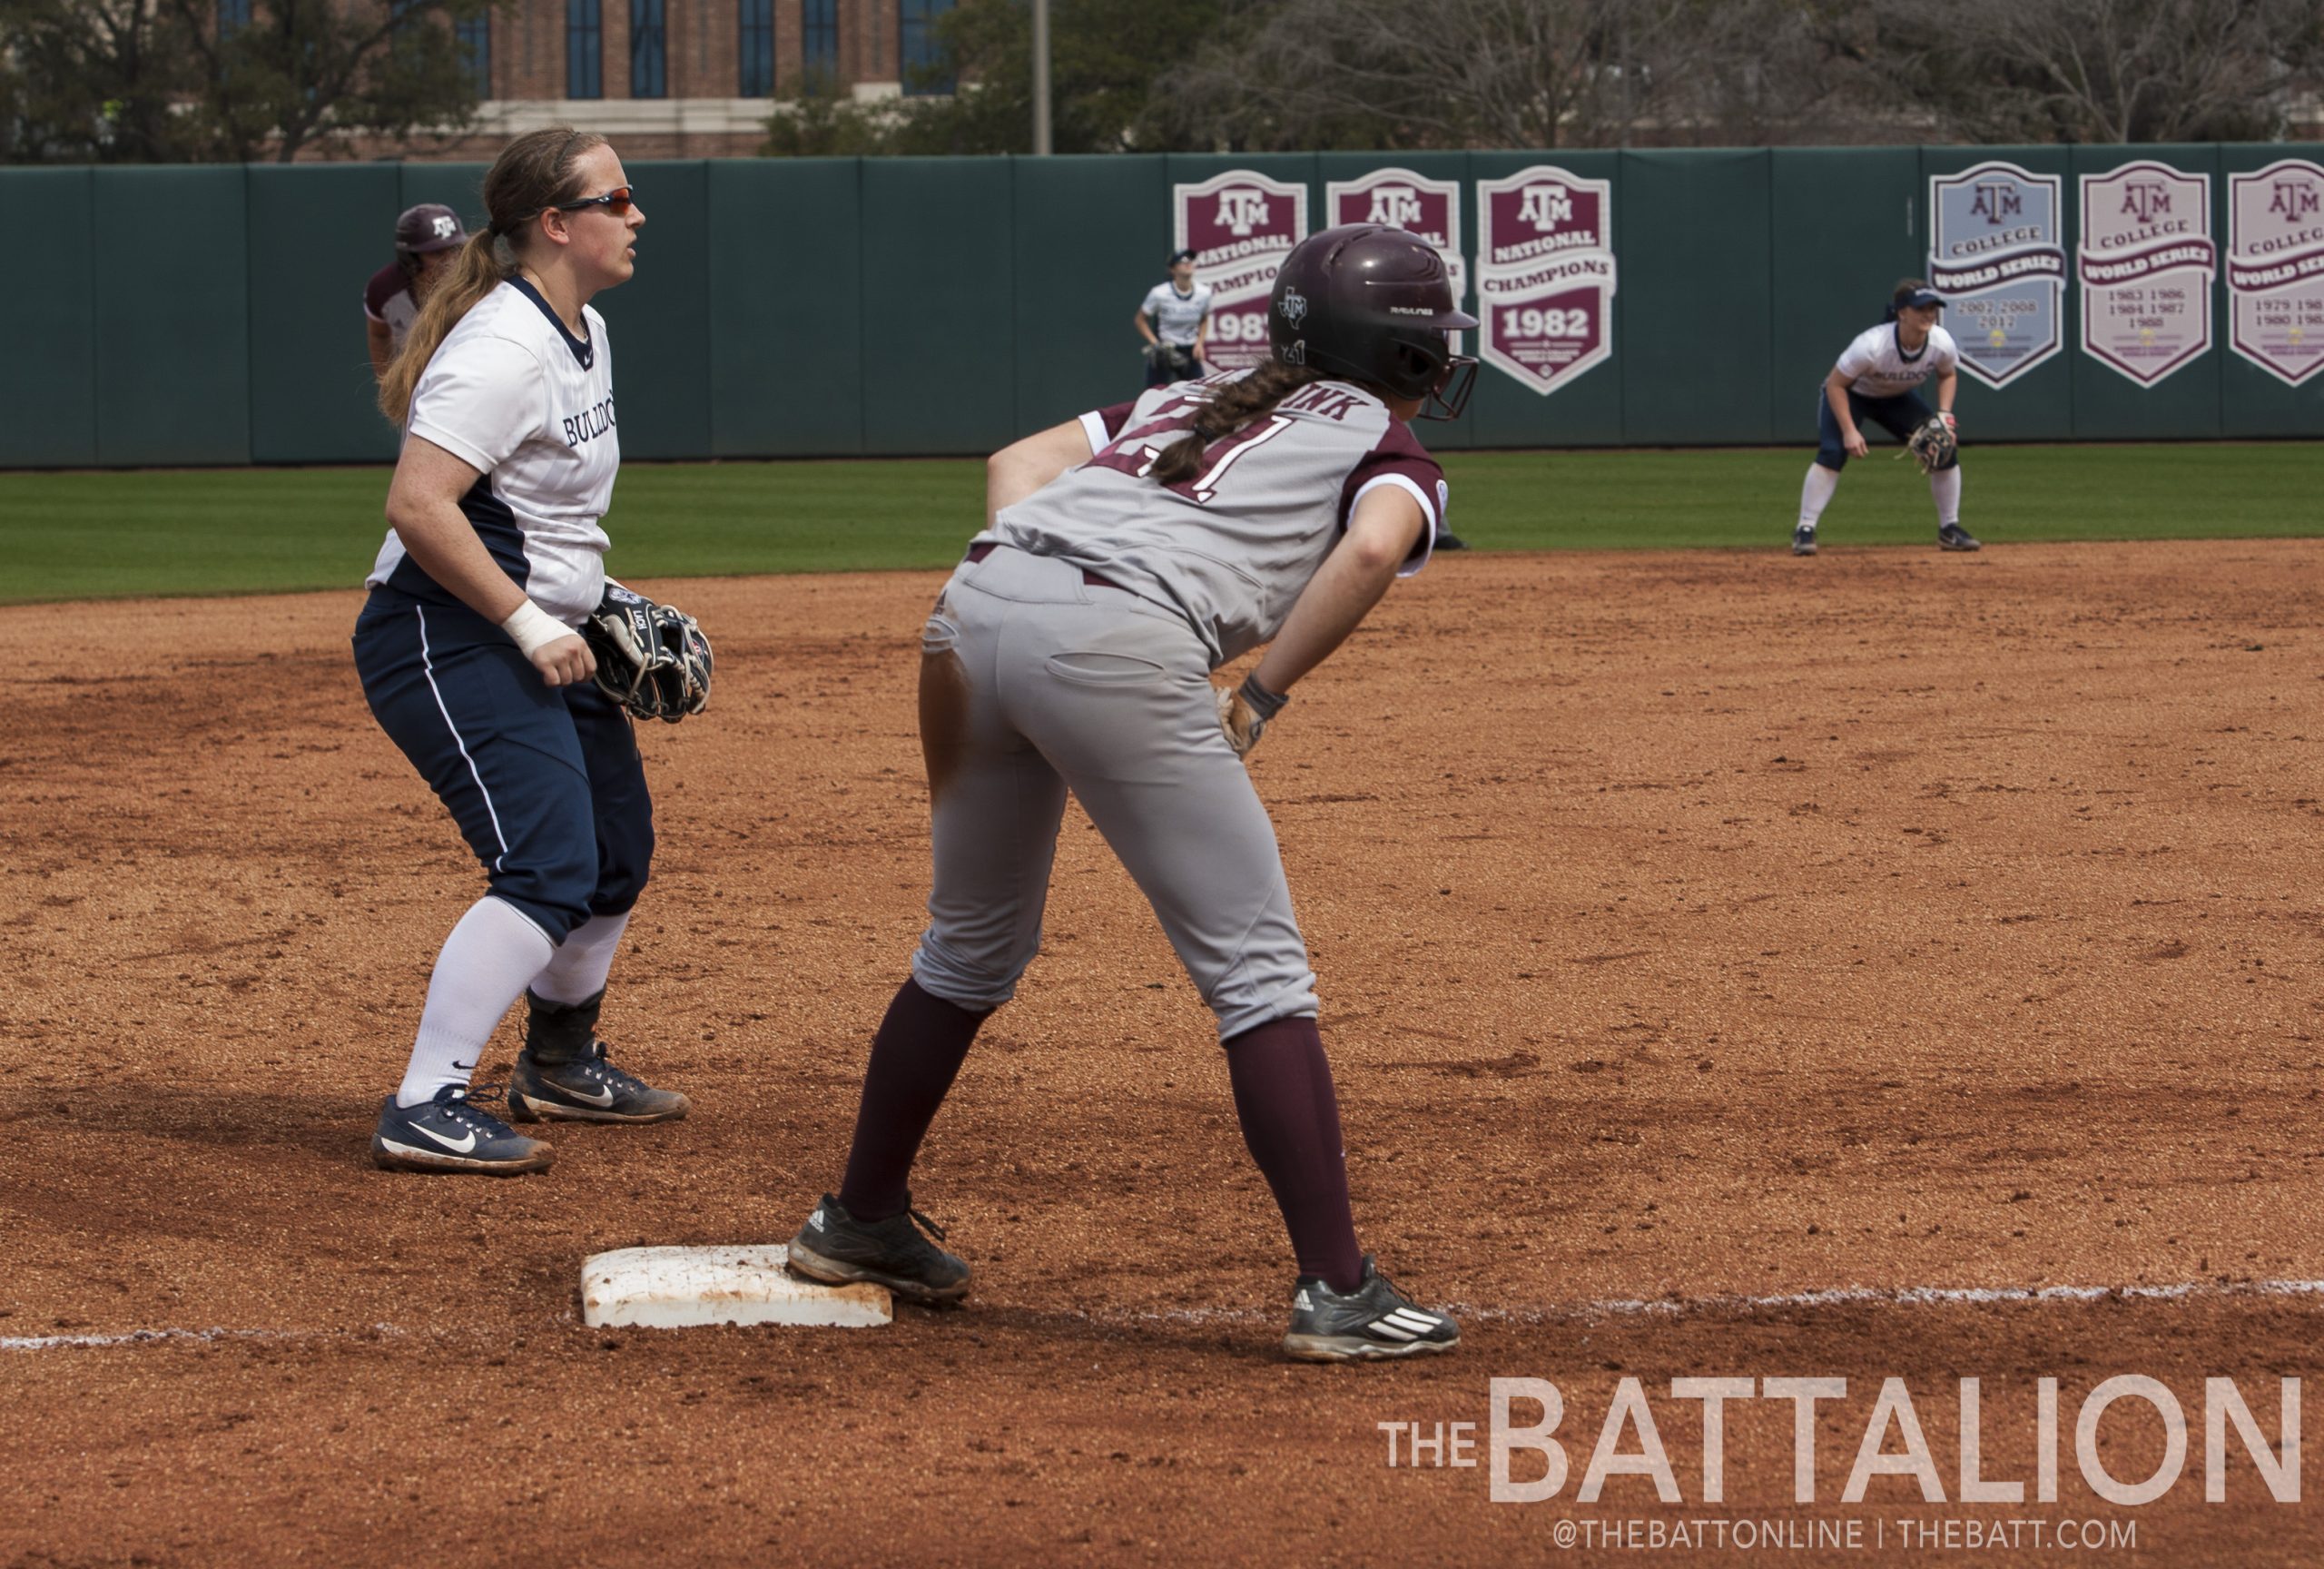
[[2035, 404], [49, 419], [459, 186], [660, 321], [1586, 411], [317, 233], [173, 382], [1091, 234], [1695, 286], [938, 366], [2108, 404], [2253, 401], [786, 282], [1843, 227]]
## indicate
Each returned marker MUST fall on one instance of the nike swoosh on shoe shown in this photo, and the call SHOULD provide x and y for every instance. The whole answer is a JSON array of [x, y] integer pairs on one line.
[[602, 1097], [457, 1146]]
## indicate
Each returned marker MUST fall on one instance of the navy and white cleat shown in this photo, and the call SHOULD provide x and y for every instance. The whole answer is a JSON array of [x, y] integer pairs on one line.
[[452, 1133]]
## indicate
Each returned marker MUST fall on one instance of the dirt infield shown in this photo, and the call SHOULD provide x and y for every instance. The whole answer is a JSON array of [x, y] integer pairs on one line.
[[1697, 933]]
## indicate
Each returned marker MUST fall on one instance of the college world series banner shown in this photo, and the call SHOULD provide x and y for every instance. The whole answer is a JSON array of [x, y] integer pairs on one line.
[[1996, 253], [1545, 275], [1403, 200], [2146, 263], [1240, 225], [2275, 268]]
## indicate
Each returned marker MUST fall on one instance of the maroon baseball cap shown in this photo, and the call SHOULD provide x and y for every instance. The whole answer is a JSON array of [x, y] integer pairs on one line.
[[428, 227]]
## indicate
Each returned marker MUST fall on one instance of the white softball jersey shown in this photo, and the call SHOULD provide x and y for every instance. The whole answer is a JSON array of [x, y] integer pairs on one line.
[[1880, 368], [513, 394], [1177, 317], [1231, 549]]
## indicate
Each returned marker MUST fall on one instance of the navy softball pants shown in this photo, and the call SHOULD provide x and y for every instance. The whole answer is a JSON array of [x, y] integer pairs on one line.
[[1899, 416], [545, 783]]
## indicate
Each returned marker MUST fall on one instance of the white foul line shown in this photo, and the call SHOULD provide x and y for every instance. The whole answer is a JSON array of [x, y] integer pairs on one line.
[[1567, 1313]]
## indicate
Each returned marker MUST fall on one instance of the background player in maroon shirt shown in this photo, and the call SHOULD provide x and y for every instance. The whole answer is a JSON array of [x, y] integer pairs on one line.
[[426, 238]]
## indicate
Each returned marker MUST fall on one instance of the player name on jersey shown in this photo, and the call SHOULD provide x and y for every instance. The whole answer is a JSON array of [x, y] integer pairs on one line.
[[2146, 262], [1545, 275], [1240, 226], [2275, 268], [1996, 252]]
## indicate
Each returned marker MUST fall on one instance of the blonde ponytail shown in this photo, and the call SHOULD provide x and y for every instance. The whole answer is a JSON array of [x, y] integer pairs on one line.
[[476, 272]]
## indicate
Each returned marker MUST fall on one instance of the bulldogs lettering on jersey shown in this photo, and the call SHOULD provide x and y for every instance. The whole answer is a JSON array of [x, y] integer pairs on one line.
[[1285, 487], [1878, 368], [514, 395], [1177, 317]]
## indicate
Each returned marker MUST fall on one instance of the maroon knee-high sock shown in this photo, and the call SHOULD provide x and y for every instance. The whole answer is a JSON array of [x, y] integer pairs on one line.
[[1291, 1121], [914, 1056]]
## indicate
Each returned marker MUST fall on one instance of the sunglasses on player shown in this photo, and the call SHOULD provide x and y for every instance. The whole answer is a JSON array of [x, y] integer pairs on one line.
[[616, 202]]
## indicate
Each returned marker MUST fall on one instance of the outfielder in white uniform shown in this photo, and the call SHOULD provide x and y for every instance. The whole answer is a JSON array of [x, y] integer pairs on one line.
[[470, 661], [1175, 322], [1878, 377], [1129, 554]]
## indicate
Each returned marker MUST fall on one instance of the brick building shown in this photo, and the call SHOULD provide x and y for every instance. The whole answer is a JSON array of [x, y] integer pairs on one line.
[[683, 78]]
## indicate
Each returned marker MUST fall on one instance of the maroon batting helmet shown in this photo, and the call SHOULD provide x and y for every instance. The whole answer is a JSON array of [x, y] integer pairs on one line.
[[1373, 304], [425, 228]]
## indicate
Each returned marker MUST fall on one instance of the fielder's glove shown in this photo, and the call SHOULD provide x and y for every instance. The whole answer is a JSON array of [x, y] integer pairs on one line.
[[652, 659], [1244, 712], [1933, 445], [1157, 354]]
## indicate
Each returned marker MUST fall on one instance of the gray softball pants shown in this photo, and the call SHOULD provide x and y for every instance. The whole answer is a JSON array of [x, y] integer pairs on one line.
[[1034, 682]]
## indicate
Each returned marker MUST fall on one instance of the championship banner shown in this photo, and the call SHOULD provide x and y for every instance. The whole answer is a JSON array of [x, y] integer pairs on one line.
[[1997, 255], [1403, 200], [2146, 263], [1545, 275], [2275, 268], [1240, 225]]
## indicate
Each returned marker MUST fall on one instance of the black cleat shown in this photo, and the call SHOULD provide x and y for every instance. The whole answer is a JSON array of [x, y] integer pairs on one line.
[[1371, 1322], [1449, 542], [1803, 539], [450, 1133], [563, 1075], [1953, 537], [836, 1248]]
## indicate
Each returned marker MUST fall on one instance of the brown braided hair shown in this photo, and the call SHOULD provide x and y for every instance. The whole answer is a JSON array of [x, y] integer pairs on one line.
[[533, 173], [1230, 407]]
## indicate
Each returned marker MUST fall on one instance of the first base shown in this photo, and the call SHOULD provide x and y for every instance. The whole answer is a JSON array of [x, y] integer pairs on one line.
[[671, 1287]]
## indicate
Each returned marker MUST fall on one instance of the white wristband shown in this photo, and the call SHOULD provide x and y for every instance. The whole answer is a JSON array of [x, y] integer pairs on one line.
[[535, 629]]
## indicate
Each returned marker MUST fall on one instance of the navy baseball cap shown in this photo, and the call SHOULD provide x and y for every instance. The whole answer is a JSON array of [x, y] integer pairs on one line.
[[1924, 298], [1178, 256]]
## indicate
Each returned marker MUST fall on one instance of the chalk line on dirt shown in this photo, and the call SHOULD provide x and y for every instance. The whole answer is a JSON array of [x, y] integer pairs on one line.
[[1566, 1313]]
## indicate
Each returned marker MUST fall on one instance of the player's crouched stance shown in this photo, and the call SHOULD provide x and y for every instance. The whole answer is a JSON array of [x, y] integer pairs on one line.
[[472, 659], [1129, 554], [1879, 380]]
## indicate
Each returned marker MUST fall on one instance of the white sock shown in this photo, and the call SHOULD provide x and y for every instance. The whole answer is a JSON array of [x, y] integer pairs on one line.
[[577, 970], [1945, 486], [487, 962], [1816, 494]]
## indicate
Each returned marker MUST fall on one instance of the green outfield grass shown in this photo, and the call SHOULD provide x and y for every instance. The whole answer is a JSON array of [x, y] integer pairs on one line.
[[97, 534]]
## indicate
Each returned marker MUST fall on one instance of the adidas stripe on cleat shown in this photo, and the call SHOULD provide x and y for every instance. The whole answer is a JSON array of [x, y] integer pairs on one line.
[[1373, 1322]]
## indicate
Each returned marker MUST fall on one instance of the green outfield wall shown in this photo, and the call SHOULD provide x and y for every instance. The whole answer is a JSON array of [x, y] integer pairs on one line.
[[840, 306]]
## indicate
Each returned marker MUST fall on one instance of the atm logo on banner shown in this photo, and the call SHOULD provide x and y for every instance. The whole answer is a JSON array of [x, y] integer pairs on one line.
[[2145, 264], [1996, 252], [1545, 275], [1240, 226], [2275, 268], [1401, 199]]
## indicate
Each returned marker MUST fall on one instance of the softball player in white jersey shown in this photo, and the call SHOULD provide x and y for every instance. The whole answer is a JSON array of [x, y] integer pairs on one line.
[[1129, 554], [470, 661], [1175, 322], [1878, 377]]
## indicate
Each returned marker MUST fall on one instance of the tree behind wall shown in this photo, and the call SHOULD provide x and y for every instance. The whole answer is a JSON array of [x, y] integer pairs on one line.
[[161, 82]]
